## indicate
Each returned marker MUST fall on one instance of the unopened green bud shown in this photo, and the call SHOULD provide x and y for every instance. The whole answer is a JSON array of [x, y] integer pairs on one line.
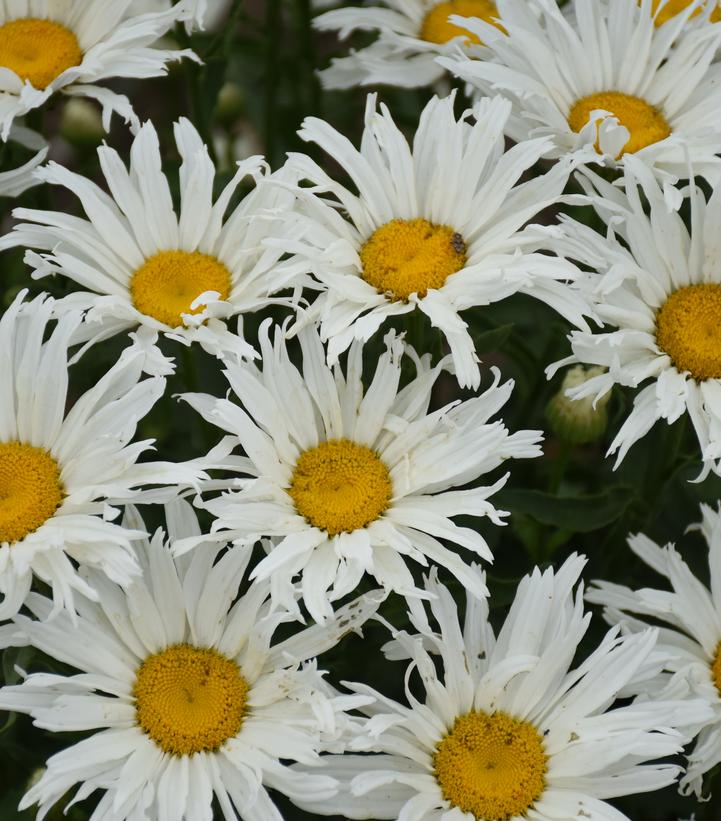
[[231, 103], [577, 421], [81, 122]]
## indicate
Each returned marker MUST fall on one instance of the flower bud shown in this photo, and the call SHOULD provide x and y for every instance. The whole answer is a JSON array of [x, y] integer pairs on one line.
[[577, 421], [231, 103], [81, 122]]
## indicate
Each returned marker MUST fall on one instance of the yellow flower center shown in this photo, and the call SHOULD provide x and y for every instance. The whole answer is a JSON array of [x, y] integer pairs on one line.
[[437, 29], [674, 7], [645, 123], [30, 489], [190, 699], [405, 257], [688, 330], [340, 486], [38, 50], [167, 283], [493, 766]]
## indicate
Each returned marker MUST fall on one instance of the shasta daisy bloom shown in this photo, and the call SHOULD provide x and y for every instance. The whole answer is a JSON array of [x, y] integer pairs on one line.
[[60, 471], [180, 273], [611, 86], [348, 481], [690, 640], [438, 227], [658, 293], [508, 729], [47, 46], [412, 33], [189, 697]]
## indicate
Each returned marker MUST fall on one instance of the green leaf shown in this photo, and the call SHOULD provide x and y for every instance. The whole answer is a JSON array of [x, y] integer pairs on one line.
[[577, 514]]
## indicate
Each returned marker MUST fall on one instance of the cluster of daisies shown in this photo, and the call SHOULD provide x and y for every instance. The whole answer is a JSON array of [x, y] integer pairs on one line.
[[337, 478]]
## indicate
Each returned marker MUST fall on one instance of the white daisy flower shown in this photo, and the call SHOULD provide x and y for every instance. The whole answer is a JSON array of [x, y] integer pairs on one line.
[[510, 730], [659, 295], [352, 481], [181, 274], [610, 86], [438, 227], [188, 696], [690, 641], [60, 471], [48, 46], [412, 33]]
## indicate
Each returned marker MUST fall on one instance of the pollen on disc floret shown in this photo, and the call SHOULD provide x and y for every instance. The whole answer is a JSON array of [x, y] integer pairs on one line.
[[405, 257], [190, 699], [646, 124], [30, 489], [688, 330], [167, 283], [340, 486], [716, 668], [437, 28], [38, 50], [493, 766]]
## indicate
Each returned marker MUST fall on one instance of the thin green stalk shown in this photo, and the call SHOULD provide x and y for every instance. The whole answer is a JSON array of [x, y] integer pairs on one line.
[[190, 369], [224, 39], [560, 466], [415, 323], [195, 93], [307, 54], [273, 48]]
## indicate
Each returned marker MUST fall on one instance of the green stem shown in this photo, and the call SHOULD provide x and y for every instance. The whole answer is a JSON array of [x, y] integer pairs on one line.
[[272, 50], [190, 369], [307, 54], [415, 329], [223, 40], [194, 74], [560, 466], [710, 810], [662, 468]]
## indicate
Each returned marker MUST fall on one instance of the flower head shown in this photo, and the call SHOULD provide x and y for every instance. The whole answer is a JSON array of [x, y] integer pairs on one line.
[[348, 480], [658, 292], [504, 726], [411, 34], [60, 471], [606, 85], [186, 693], [438, 228], [689, 645], [180, 273]]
